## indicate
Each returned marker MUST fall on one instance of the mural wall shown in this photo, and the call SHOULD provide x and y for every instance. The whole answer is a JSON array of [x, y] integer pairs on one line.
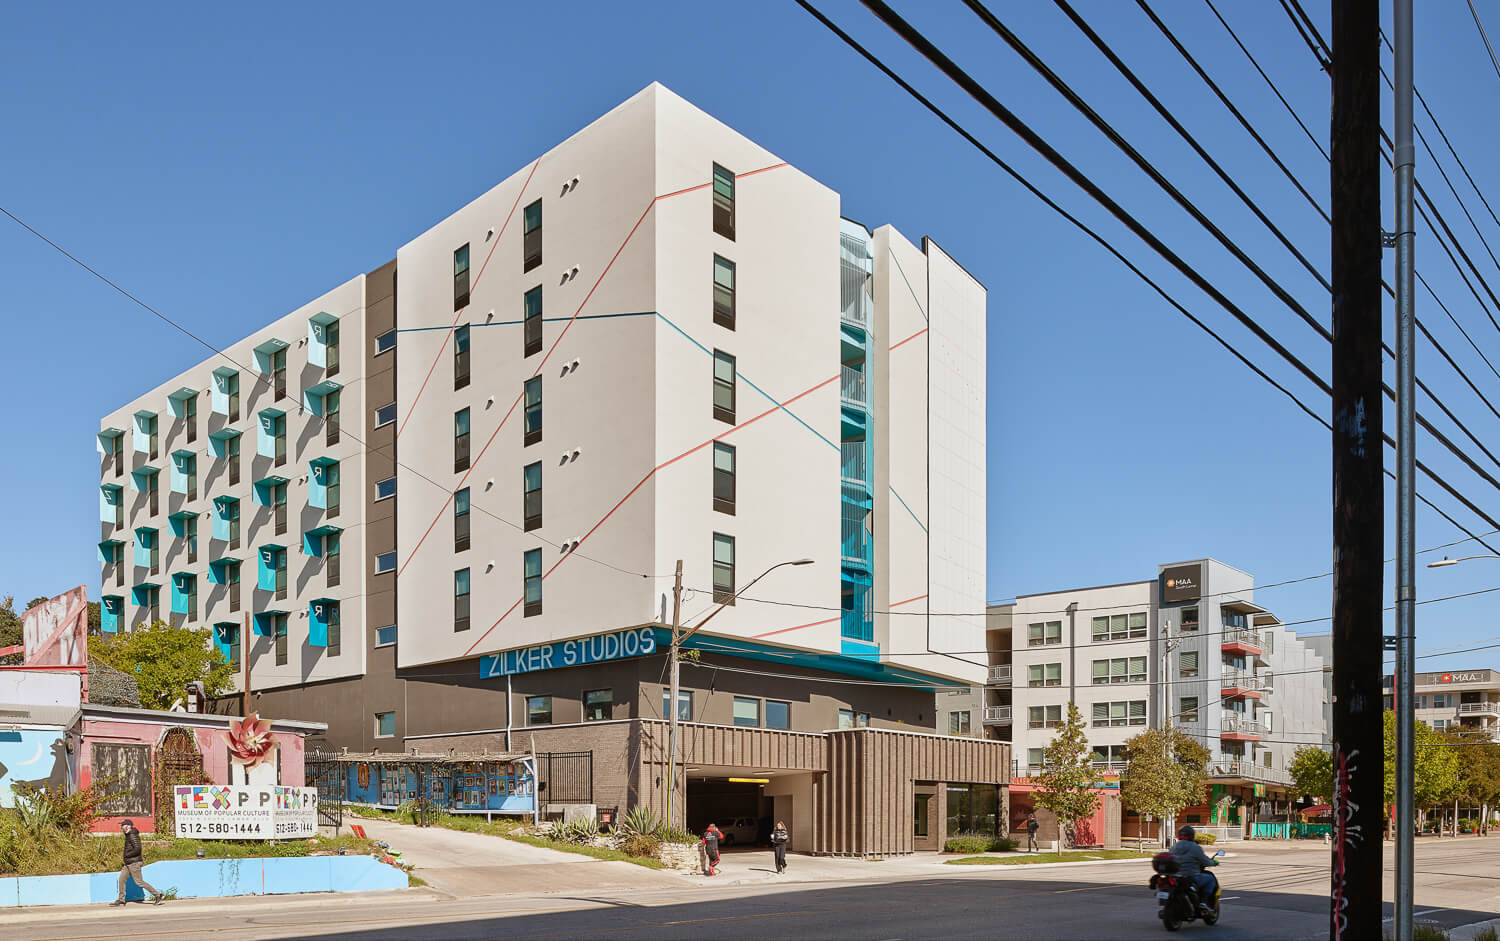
[[38, 757]]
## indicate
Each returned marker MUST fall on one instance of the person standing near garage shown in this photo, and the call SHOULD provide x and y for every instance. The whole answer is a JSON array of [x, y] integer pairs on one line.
[[779, 837], [711, 838]]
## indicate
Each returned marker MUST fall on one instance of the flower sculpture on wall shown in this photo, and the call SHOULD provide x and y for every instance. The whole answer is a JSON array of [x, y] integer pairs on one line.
[[249, 740]]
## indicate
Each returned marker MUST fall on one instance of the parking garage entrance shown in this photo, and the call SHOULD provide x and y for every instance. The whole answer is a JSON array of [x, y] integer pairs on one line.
[[737, 804]]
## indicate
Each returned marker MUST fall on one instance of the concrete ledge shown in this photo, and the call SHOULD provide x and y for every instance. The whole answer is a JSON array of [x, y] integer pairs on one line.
[[212, 878]]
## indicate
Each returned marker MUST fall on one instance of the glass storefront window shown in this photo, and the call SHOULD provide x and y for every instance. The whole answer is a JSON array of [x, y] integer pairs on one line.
[[973, 808], [919, 817]]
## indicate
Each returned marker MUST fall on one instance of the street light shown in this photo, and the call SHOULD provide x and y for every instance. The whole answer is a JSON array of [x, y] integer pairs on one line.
[[677, 639], [1445, 561]]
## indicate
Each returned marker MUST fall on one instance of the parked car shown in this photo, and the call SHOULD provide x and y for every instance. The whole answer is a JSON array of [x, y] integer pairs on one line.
[[739, 830]]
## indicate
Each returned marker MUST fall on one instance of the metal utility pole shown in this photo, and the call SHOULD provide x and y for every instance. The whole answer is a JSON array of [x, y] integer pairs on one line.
[[1406, 448], [672, 697], [1358, 485], [1168, 644]]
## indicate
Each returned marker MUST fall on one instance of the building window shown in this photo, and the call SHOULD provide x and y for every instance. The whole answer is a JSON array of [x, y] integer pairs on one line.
[[1044, 674], [538, 710], [1132, 712], [723, 569], [278, 372], [385, 562], [1234, 619], [1044, 717], [1187, 663], [1120, 627], [461, 600], [331, 416], [279, 628], [331, 349], [232, 457], [461, 357], [185, 597], [778, 714], [1035, 757], [150, 423], [385, 415], [959, 723], [531, 326], [1189, 619], [531, 496], [531, 575], [746, 711], [724, 382], [461, 440], [1044, 634], [1187, 710], [385, 342], [278, 504], [598, 705], [117, 561], [226, 393], [147, 549], [723, 292], [684, 704], [919, 814], [1109, 756], [461, 520], [723, 202], [1120, 670], [850, 719], [385, 489], [190, 536], [273, 436], [229, 643], [232, 575], [533, 410], [461, 277], [190, 417], [335, 630], [385, 725], [724, 477], [531, 236], [385, 636], [332, 555], [323, 490]]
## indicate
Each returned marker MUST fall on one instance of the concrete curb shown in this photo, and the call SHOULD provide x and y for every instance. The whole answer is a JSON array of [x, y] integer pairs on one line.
[[1082, 862], [1467, 932], [33, 913]]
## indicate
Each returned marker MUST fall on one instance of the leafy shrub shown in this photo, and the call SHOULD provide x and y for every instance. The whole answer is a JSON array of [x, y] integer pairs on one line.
[[1205, 839], [580, 831], [675, 835], [978, 843], [641, 844], [640, 820]]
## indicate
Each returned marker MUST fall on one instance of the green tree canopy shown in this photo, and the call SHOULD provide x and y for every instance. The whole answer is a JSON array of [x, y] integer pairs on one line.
[[1065, 784], [10, 628], [1312, 772], [164, 659], [1158, 783], [1478, 766], [1438, 779]]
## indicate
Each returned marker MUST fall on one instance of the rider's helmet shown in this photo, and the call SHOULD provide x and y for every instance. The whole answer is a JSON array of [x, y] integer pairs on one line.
[[1185, 832]]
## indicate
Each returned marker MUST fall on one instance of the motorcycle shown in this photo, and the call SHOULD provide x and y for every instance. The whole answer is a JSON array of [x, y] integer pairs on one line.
[[1177, 896]]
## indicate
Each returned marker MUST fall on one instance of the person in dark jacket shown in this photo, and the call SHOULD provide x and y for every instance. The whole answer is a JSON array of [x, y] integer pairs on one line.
[[779, 836], [1031, 827], [132, 867], [711, 838]]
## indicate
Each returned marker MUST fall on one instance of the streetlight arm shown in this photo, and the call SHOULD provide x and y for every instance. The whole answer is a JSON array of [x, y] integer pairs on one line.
[[1444, 561], [699, 626]]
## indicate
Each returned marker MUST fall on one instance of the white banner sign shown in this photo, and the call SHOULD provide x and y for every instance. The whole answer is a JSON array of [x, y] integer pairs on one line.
[[237, 812]]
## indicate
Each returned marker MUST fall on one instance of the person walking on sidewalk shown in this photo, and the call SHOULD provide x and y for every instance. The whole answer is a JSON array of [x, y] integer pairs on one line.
[[779, 836], [711, 838], [132, 868], [1031, 828]]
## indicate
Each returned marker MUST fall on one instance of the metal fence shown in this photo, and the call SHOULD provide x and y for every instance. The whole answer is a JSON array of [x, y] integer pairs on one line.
[[566, 777], [327, 776]]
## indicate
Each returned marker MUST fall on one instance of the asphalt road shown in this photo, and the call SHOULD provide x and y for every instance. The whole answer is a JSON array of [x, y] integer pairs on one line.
[[1268, 894]]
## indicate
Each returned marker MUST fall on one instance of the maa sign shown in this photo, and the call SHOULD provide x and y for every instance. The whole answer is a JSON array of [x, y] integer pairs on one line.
[[1181, 583], [237, 812]]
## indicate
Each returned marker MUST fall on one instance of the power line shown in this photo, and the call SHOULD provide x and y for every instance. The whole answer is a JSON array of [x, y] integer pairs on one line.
[[1486, 37]]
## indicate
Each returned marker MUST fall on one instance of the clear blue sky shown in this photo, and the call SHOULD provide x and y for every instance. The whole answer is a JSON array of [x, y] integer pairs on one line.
[[227, 164]]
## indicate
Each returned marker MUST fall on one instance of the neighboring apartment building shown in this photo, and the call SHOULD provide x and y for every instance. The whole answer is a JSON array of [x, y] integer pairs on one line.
[[656, 342], [1190, 645], [1462, 700]]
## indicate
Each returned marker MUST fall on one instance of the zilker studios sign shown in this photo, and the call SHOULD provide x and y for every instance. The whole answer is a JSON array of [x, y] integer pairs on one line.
[[617, 645], [1181, 583]]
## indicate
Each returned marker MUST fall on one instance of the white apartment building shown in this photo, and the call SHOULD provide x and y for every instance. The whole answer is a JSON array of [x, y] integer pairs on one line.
[[658, 341], [1463, 700], [1190, 645]]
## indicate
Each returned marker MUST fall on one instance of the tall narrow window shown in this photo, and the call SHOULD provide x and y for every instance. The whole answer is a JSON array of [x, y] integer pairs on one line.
[[190, 470], [231, 511], [531, 574], [724, 477], [331, 418], [335, 630], [232, 388], [533, 416], [332, 554], [190, 536], [723, 569], [531, 328], [723, 386], [190, 417], [232, 575], [151, 491], [278, 503], [119, 564], [461, 440], [723, 202], [461, 357], [331, 349], [151, 424], [531, 496], [531, 236], [278, 372], [461, 277], [229, 643], [232, 457], [115, 455], [281, 575], [279, 622], [461, 520], [723, 292], [461, 600], [331, 481]]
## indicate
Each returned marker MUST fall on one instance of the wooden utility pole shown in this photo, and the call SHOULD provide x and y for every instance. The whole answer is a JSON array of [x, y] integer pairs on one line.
[[1358, 484], [245, 647]]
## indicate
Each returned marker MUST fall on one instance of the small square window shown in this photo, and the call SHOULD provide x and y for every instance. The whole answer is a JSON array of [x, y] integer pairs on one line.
[[385, 725], [598, 705], [385, 489], [746, 711], [538, 710], [385, 415], [385, 342], [385, 636], [778, 714], [684, 704], [385, 562]]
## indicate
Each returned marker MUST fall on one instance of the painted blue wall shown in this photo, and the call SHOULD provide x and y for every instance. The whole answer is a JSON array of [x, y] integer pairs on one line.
[[212, 878], [34, 756]]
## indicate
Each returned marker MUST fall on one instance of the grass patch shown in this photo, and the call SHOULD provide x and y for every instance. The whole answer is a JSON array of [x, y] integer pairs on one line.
[[1031, 859]]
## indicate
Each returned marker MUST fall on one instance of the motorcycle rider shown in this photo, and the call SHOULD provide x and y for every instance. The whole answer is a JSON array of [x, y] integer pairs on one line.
[[1193, 863]]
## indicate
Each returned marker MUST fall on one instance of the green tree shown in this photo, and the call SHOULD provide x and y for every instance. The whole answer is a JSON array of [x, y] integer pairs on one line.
[[1312, 772], [10, 629], [1158, 783], [1437, 779], [1065, 784], [164, 659], [1478, 769]]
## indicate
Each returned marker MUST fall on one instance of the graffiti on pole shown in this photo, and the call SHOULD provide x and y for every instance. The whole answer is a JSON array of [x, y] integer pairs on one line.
[[1348, 836]]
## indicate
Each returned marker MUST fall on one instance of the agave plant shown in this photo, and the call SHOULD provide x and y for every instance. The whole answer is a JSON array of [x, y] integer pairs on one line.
[[641, 820]]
